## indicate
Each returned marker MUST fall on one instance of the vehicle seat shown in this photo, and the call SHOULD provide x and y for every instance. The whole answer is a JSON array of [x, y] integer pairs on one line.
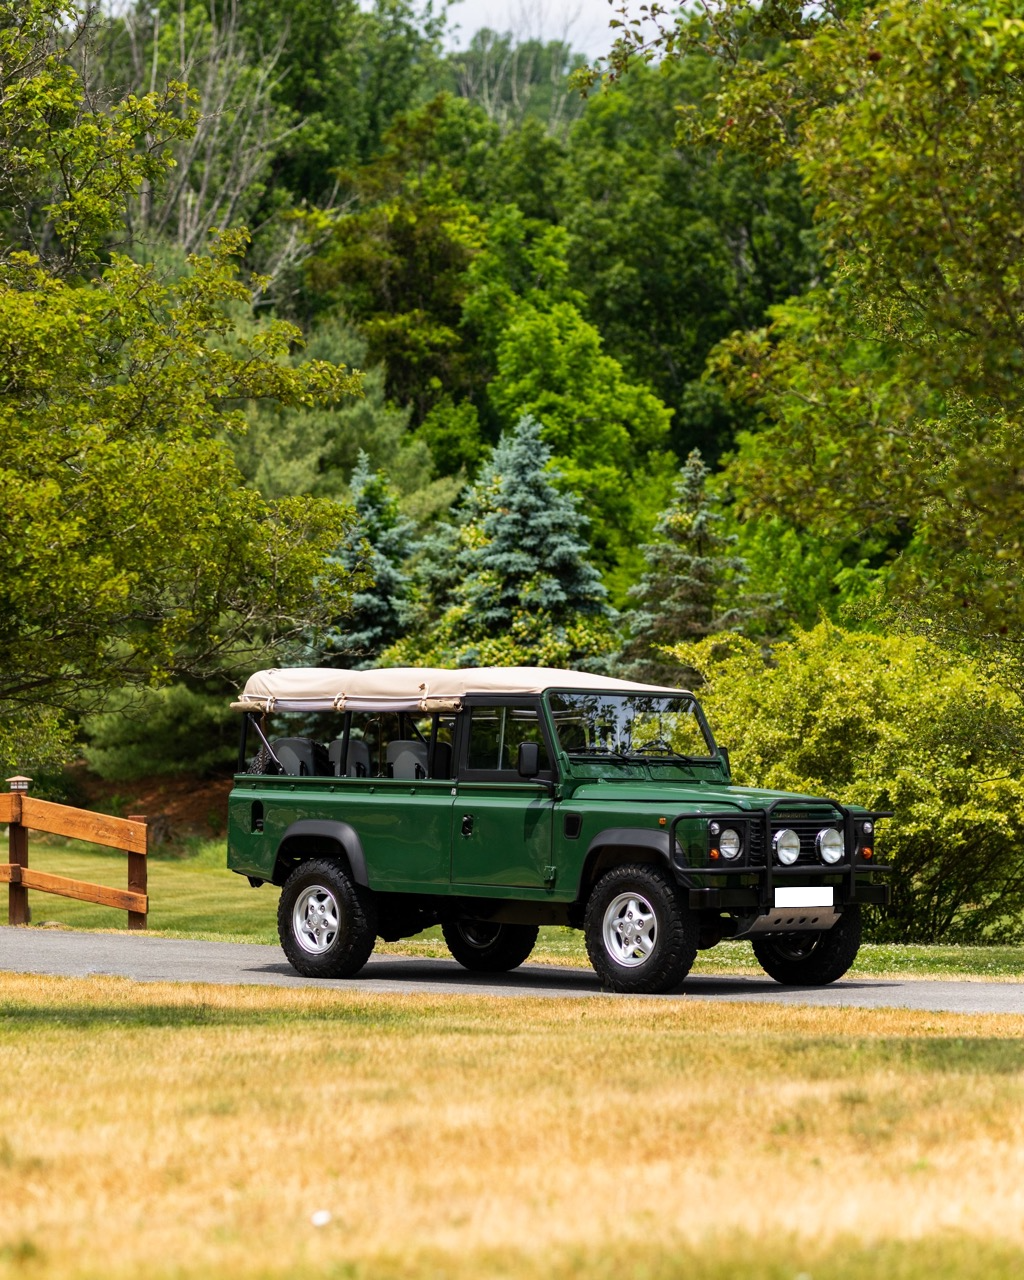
[[407, 759], [358, 763], [302, 757]]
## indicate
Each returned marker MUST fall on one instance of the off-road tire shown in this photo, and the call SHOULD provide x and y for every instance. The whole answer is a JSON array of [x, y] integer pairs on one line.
[[326, 923], [811, 959], [261, 763], [641, 937], [489, 948]]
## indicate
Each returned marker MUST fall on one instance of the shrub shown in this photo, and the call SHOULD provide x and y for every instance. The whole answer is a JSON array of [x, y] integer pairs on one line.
[[889, 722], [172, 730]]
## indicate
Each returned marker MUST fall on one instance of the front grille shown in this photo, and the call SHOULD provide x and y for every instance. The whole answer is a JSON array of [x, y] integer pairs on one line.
[[805, 822]]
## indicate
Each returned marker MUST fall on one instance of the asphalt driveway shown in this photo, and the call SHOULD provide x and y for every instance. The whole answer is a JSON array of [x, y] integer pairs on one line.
[[148, 959]]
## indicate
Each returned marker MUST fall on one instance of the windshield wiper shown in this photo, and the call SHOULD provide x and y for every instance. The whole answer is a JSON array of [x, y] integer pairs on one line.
[[598, 751], [663, 753]]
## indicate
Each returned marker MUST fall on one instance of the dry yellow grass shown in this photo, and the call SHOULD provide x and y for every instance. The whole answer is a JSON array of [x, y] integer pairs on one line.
[[169, 1130]]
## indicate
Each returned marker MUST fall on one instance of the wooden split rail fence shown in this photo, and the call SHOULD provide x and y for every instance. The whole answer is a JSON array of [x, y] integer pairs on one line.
[[22, 812]]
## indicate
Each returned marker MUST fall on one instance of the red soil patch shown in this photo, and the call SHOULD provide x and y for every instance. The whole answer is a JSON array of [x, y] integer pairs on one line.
[[176, 806]]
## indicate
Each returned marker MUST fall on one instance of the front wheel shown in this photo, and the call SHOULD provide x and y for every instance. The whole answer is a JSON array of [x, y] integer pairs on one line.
[[487, 947], [326, 923], [811, 959], [640, 935]]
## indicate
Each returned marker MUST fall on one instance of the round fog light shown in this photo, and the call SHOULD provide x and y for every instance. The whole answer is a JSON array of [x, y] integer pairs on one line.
[[787, 847], [730, 843], [831, 845]]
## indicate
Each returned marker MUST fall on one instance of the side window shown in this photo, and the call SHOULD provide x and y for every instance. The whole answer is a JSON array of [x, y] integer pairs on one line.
[[495, 734]]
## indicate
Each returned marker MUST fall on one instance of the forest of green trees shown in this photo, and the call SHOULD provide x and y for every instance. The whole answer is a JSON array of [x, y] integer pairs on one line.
[[322, 343]]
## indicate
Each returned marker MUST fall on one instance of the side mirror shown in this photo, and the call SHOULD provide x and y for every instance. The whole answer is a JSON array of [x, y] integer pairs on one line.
[[528, 765], [724, 753]]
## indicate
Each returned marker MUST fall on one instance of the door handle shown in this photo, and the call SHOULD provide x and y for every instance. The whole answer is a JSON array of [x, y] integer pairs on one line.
[[467, 824]]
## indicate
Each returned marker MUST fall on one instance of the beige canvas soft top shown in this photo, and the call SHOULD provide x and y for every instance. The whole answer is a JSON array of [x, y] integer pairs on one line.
[[411, 688]]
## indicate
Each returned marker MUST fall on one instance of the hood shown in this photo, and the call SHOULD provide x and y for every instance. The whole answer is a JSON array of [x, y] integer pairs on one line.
[[706, 798]]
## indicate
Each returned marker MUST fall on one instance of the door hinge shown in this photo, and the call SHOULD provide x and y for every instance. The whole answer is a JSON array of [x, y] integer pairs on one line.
[[550, 876]]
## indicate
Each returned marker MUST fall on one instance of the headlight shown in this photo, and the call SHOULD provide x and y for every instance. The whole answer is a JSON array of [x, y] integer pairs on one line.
[[831, 845], [729, 843], [787, 846]]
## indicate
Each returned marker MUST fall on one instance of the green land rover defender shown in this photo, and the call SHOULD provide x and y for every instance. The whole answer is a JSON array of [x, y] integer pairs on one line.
[[493, 800]]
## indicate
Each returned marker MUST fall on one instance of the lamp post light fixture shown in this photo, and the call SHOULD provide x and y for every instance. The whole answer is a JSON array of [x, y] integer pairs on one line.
[[17, 853]]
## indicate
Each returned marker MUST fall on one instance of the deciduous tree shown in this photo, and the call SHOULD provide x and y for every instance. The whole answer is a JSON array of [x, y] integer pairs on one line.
[[131, 548], [607, 434], [891, 396], [676, 242]]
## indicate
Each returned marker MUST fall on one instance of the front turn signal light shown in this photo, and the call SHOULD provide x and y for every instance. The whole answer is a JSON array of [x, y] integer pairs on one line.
[[867, 853], [714, 853]]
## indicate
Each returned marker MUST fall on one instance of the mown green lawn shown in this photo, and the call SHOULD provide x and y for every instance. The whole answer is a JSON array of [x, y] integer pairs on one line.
[[193, 895]]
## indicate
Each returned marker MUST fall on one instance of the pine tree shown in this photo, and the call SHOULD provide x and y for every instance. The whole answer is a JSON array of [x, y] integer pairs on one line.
[[690, 570], [509, 581], [526, 548], [380, 543]]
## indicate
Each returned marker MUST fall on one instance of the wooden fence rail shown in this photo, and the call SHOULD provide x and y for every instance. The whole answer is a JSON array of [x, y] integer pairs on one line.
[[22, 813]]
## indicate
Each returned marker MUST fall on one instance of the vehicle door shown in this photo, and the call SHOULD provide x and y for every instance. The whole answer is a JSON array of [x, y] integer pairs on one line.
[[501, 823], [400, 803]]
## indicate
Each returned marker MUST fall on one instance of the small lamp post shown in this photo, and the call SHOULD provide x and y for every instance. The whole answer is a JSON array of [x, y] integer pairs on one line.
[[17, 844]]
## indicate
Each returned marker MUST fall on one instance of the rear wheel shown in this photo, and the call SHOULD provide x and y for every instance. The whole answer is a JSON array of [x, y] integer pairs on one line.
[[488, 947], [811, 959], [640, 935], [327, 924]]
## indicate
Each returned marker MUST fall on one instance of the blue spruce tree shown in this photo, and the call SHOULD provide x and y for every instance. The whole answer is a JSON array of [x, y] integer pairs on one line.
[[527, 549], [509, 582]]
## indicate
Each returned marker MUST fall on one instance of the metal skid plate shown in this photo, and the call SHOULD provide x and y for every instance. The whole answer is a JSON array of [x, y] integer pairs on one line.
[[793, 920]]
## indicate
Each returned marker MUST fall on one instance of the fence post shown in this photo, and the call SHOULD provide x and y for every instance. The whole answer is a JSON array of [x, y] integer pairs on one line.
[[138, 871], [17, 843]]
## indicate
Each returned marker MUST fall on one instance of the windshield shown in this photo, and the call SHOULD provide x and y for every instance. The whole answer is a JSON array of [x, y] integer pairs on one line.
[[630, 726]]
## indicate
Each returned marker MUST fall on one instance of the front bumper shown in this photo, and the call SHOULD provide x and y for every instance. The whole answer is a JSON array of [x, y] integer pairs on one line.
[[757, 884], [744, 899]]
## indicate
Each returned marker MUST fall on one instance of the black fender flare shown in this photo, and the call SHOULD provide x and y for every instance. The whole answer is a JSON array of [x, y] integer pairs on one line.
[[319, 836], [622, 838]]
